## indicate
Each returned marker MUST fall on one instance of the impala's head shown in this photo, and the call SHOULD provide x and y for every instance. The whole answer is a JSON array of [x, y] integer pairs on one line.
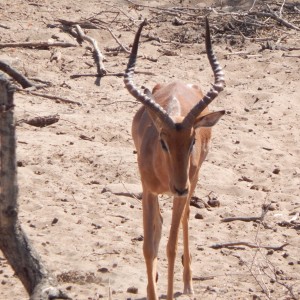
[[177, 144], [177, 135]]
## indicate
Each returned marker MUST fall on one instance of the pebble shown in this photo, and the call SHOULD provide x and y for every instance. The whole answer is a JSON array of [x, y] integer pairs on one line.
[[54, 221], [132, 290], [214, 202], [199, 216], [103, 270]]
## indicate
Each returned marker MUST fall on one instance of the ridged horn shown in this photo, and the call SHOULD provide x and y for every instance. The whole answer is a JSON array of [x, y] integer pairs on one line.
[[217, 87], [145, 98]]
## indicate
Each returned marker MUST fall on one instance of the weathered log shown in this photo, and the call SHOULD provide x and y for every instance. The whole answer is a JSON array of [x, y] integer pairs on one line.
[[14, 243]]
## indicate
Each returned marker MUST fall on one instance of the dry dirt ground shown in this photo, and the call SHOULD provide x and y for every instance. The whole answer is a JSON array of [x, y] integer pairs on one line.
[[70, 172]]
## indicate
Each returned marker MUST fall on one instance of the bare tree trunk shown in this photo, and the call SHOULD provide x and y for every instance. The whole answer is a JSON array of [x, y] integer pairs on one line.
[[14, 243]]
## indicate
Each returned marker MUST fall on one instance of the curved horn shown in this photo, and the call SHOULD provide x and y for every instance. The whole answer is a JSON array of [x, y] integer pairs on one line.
[[217, 87], [146, 99]]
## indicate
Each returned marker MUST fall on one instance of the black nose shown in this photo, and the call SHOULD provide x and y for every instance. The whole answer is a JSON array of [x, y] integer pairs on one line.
[[181, 192]]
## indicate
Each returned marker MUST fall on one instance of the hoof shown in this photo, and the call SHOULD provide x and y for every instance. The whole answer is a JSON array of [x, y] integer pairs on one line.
[[188, 291]]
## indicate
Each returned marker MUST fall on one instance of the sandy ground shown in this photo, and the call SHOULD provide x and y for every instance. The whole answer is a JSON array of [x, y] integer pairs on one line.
[[69, 172]]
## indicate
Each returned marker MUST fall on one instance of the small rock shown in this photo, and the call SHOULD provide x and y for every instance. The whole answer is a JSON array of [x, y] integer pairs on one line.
[[276, 171], [97, 226], [265, 189], [54, 221], [199, 216], [139, 239], [103, 270], [20, 163], [132, 290], [214, 202]]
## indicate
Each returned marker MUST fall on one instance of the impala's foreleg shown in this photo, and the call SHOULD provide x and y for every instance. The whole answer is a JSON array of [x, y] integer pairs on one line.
[[179, 205], [152, 233], [187, 258]]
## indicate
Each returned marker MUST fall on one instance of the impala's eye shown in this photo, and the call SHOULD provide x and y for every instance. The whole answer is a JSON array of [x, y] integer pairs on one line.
[[163, 145]]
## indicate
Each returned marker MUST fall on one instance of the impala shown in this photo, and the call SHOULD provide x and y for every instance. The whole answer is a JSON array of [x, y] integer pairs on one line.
[[171, 133]]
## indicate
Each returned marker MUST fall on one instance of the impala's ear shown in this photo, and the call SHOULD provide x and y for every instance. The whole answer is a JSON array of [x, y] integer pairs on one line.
[[156, 120], [209, 120]]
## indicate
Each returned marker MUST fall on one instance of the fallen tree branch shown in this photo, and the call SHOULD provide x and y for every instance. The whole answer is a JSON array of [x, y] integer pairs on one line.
[[37, 45], [97, 53], [16, 75], [250, 245], [57, 98]]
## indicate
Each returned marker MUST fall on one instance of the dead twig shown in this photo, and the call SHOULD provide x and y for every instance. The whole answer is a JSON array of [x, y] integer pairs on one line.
[[4, 26], [98, 55], [37, 45], [121, 101], [118, 74], [57, 98], [117, 40], [291, 55], [83, 24], [250, 245], [172, 11], [203, 278], [265, 209], [275, 278], [244, 219], [274, 16], [281, 8], [262, 284]]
